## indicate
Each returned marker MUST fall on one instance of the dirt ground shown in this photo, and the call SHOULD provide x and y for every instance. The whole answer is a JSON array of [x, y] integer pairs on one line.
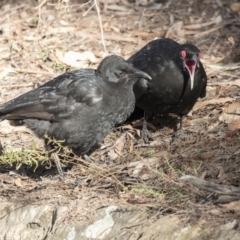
[[40, 40]]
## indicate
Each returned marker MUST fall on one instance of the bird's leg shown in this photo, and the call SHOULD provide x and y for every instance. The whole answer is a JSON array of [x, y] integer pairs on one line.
[[179, 134], [145, 135], [1, 148]]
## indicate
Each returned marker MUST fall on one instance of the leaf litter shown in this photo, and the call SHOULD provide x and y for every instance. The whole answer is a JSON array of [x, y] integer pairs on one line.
[[42, 41]]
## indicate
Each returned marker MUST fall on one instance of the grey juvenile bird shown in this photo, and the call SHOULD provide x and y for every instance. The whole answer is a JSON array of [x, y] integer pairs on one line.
[[80, 107], [178, 77]]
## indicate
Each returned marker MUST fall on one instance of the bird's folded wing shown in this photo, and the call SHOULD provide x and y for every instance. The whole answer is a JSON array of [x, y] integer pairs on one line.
[[58, 98]]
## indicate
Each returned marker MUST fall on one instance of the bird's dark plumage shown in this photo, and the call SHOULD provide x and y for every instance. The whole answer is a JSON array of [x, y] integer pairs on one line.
[[178, 77], [80, 107]]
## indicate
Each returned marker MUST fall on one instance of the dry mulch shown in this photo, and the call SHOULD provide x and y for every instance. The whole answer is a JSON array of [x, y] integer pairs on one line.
[[42, 41]]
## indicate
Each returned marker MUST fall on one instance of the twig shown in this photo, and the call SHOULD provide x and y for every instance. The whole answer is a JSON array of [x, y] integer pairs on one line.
[[58, 165], [88, 10], [100, 23], [140, 23], [210, 186], [31, 71], [18, 85], [39, 15]]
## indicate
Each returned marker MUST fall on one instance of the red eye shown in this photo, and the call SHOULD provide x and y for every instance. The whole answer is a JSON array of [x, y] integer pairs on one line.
[[199, 55], [183, 54], [121, 73]]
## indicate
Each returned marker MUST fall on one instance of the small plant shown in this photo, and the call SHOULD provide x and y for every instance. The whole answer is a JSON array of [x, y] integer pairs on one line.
[[44, 54], [33, 158], [147, 191], [59, 67]]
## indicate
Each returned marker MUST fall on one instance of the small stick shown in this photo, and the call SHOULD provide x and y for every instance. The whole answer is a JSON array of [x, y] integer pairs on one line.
[[210, 186], [58, 165], [100, 23], [31, 71]]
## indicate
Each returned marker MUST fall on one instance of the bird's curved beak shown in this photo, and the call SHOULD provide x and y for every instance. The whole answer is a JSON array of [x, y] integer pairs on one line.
[[141, 74], [191, 65]]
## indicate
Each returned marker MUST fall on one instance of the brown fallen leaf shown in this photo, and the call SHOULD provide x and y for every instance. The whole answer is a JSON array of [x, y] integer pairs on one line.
[[116, 149], [215, 20], [176, 30], [120, 144], [6, 128], [131, 141], [234, 108], [232, 207], [162, 154], [214, 101], [233, 128], [112, 155], [228, 118], [226, 67], [201, 34], [135, 168], [235, 7], [7, 179], [18, 182], [218, 89], [76, 59], [236, 82]]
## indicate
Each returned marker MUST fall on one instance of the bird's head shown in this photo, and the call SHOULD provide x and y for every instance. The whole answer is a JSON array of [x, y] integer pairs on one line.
[[116, 70], [189, 55]]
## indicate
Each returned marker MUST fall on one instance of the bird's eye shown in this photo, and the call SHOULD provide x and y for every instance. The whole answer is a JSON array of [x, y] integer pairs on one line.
[[199, 55], [121, 73], [183, 54]]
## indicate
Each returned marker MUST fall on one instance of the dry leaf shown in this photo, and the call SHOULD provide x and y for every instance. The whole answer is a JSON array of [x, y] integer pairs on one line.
[[176, 30], [118, 147], [76, 59], [231, 40], [232, 207], [236, 82], [139, 166], [218, 89], [228, 118], [147, 176], [215, 20], [162, 154], [18, 182], [235, 7], [120, 143], [137, 170], [214, 101], [112, 154], [232, 128], [234, 108], [6, 179], [6, 128], [226, 67]]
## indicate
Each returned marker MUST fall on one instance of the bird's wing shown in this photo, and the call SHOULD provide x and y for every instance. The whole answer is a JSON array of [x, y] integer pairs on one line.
[[141, 86], [57, 98]]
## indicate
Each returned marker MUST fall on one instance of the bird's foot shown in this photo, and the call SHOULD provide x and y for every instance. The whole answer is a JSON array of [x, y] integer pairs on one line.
[[178, 135], [146, 136]]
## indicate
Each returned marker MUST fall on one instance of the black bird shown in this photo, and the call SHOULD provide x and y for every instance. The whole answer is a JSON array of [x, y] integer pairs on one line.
[[80, 107], [178, 77]]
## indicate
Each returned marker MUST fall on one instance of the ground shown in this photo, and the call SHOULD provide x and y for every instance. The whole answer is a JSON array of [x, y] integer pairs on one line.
[[40, 40]]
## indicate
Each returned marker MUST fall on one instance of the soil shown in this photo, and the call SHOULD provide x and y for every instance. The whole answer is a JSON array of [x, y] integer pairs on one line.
[[34, 40]]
